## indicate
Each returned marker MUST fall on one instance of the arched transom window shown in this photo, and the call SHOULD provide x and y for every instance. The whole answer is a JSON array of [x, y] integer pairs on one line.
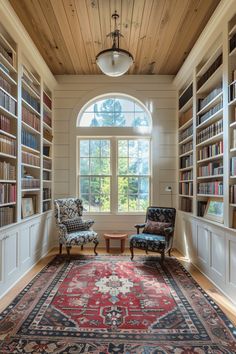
[[114, 111], [114, 170]]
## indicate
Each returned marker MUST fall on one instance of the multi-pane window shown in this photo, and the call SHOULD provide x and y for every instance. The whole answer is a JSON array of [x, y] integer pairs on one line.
[[133, 174], [130, 178], [95, 174]]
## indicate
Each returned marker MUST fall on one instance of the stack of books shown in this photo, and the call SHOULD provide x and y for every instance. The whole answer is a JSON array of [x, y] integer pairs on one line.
[[6, 215], [7, 145]]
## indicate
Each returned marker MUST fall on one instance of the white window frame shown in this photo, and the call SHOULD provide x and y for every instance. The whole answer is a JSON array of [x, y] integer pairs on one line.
[[114, 170]]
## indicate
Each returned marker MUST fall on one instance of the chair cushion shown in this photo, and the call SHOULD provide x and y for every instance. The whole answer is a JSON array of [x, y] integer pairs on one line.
[[148, 242], [156, 227], [77, 224], [81, 238]]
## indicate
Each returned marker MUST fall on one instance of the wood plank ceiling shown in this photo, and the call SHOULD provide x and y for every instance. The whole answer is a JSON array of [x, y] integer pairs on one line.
[[70, 33]]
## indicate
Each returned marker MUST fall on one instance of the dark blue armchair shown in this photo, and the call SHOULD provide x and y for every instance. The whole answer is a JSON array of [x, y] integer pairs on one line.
[[158, 232]]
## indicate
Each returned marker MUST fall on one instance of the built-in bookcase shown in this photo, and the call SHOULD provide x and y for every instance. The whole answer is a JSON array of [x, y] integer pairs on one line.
[[47, 149], [232, 118], [8, 128], [186, 149], [25, 137]]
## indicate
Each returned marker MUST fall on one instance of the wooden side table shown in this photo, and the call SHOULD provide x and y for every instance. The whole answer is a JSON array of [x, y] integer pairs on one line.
[[115, 236]]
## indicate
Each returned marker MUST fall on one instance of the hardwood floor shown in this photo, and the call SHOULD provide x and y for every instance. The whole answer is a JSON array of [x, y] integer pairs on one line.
[[224, 303]]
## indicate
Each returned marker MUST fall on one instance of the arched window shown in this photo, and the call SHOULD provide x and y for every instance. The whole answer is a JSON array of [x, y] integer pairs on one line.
[[114, 111], [114, 170]]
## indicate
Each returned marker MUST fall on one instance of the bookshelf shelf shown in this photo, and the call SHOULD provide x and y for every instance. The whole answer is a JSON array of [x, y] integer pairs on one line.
[[186, 153], [28, 148], [7, 134], [186, 125], [47, 157], [47, 126], [7, 204], [7, 64], [7, 155], [7, 77], [8, 113], [210, 195], [47, 200], [212, 81], [212, 158], [46, 169], [31, 166], [8, 94], [210, 177], [213, 139], [213, 118], [232, 102], [211, 103], [189, 138], [30, 190], [233, 124], [27, 105], [233, 52], [185, 168], [47, 108], [47, 142], [28, 88], [29, 128], [185, 195]]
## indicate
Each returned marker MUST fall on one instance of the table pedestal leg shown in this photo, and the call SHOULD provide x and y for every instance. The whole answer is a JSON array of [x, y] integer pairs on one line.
[[107, 245], [122, 244]]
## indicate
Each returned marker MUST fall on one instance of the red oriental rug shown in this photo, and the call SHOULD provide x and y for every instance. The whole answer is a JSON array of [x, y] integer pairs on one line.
[[109, 304]]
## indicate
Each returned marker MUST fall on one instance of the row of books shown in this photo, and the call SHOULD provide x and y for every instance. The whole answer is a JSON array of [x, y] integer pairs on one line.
[[7, 193], [32, 101], [29, 139], [203, 117], [186, 175], [185, 117], [27, 78], [30, 118], [46, 176], [47, 135], [7, 145], [232, 91], [47, 100], [233, 166], [233, 142], [47, 164], [201, 207], [210, 150], [202, 102], [213, 188], [47, 194], [47, 119], [209, 132], [7, 171], [30, 183], [186, 188], [186, 147], [46, 150], [7, 102], [46, 206], [186, 133], [232, 194], [5, 85], [217, 63], [185, 97], [186, 204], [234, 75], [5, 123], [211, 169], [30, 159], [186, 161], [6, 215], [232, 43], [7, 55]]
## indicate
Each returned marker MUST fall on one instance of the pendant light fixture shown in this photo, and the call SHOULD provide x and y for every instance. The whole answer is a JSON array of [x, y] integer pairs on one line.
[[114, 61]]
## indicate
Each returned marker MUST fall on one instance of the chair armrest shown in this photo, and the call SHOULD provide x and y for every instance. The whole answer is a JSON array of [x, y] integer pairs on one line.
[[169, 231], [139, 226]]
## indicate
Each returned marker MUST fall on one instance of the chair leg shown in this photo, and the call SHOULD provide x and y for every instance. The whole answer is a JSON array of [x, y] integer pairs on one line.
[[68, 251], [95, 246], [132, 252], [169, 252], [82, 247], [60, 248]]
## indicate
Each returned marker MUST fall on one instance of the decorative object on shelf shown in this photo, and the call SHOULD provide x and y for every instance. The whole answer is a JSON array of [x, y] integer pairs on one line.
[[27, 207], [114, 61], [214, 210], [169, 190]]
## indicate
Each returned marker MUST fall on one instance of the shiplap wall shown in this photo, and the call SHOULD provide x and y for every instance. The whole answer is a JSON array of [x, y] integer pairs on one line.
[[158, 95]]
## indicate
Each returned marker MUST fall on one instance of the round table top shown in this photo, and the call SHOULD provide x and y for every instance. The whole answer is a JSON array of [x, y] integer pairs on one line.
[[115, 235]]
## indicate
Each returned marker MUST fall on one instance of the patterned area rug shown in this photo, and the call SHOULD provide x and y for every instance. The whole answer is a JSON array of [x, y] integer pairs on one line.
[[109, 304]]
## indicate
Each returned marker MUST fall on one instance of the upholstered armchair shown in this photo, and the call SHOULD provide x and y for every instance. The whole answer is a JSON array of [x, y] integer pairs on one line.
[[158, 232], [72, 229]]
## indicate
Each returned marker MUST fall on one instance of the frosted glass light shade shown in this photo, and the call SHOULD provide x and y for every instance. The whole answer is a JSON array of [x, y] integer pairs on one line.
[[114, 62]]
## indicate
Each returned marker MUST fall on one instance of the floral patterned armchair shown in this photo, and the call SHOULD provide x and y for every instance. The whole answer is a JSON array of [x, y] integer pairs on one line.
[[72, 230], [158, 231]]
